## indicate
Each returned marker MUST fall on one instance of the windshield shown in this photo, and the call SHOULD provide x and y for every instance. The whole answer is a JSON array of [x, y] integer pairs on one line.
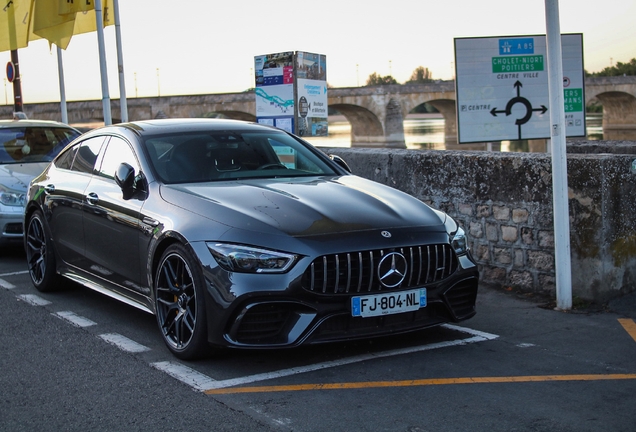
[[230, 155], [33, 144]]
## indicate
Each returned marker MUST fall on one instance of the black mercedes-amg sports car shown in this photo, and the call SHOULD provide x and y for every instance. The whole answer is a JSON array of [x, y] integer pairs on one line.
[[240, 235]]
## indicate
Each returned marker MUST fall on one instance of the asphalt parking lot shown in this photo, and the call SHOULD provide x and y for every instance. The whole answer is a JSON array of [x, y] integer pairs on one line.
[[517, 365]]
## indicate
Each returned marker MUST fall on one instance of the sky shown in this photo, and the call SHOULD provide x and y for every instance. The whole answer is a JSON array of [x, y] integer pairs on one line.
[[205, 46]]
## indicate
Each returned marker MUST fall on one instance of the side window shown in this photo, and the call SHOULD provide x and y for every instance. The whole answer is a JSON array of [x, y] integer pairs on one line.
[[117, 151], [65, 161], [87, 155]]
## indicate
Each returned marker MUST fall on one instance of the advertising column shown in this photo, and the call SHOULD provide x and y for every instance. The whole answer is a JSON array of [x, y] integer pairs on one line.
[[275, 90], [291, 92]]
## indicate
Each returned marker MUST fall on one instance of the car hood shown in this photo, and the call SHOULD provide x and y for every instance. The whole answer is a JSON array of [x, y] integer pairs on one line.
[[18, 176], [304, 206]]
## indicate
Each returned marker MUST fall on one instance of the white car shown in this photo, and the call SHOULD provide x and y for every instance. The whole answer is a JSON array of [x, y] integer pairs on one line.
[[26, 148]]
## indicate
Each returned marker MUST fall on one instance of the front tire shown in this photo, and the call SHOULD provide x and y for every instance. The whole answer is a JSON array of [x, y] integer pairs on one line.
[[179, 303], [40, 255]]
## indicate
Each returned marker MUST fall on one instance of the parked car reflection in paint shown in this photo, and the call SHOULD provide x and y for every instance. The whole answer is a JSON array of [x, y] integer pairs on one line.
[[26, 148]]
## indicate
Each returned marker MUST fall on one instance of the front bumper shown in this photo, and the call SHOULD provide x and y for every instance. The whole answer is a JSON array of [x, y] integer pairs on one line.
[[277, 311], [268, 323], [11, 224]]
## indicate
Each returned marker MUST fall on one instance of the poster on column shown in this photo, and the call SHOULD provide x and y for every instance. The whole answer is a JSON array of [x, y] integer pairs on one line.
[[311, 94], [274, 75]]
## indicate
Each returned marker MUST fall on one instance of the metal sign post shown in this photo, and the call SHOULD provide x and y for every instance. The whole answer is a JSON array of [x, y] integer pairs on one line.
[[108, 120], [559, 160]]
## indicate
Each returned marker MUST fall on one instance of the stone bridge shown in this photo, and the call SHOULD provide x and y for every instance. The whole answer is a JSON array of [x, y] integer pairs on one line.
[[376, 113]]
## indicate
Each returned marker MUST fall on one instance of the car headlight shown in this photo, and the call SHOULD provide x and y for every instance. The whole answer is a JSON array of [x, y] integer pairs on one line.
[[246, 259], [457, 235], [459, 242], [12, 198]]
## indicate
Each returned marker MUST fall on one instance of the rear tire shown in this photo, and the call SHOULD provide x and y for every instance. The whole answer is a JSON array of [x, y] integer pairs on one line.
[[40, 255], [179, 303]]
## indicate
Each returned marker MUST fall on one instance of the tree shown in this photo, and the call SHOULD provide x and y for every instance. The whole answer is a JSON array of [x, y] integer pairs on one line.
[[375, 79], [420, 75], [620, 69]]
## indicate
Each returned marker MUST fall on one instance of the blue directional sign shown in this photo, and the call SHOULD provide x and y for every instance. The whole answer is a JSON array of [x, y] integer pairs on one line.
[[516, 46]]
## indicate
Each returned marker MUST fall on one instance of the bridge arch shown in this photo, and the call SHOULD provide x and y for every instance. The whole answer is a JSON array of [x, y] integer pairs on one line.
[[364, 123], [619, 115], [446, 107], [618, 97]]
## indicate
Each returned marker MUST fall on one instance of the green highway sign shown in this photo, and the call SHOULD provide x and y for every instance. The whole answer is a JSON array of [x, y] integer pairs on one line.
[[517, 64]]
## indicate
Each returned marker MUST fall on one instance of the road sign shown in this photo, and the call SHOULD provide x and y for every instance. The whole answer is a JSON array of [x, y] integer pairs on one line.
[[10, 71], [502, 88]]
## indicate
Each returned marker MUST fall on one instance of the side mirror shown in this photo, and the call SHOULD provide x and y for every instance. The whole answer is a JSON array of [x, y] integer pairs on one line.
[[340, 161], [125, 179]]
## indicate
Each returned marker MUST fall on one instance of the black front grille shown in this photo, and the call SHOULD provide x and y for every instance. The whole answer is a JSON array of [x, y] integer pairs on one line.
[[344, 326], [356, 272]]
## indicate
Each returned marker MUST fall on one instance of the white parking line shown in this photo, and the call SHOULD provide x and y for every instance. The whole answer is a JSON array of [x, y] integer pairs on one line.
[[124, 343], [6, 285], [75, 319], [34, 300], [14, 273], [477, 337], [186, 375]]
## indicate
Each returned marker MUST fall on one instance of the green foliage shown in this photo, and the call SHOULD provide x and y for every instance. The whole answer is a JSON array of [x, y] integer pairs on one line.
[[621, 69], [594, 107], [420, 75], [375, 79]]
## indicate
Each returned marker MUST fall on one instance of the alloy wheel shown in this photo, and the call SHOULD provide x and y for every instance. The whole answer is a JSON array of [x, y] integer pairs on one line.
[[36, 250], [176, 301]]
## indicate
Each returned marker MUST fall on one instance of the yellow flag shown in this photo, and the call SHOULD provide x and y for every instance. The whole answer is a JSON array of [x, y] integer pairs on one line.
[[50, 25], [15, 21], [75, 6], [58, 28], [85, 21]]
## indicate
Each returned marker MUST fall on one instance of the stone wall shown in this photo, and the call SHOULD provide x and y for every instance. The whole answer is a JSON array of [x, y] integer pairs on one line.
[[504, 202]]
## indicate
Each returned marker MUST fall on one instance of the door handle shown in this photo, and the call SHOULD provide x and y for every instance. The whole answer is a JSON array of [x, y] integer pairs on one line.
[[49, 189], [150, 221], [92, 198]]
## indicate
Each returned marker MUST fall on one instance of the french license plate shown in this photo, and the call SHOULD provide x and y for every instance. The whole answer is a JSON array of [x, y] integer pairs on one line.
[[389, 303]]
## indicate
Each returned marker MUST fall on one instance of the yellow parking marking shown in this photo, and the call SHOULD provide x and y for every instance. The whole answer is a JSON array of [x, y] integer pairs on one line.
[[629, 326], [422, 382]]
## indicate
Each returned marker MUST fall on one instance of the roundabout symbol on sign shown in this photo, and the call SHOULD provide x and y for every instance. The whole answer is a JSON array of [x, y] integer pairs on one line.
[[525, 102]]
